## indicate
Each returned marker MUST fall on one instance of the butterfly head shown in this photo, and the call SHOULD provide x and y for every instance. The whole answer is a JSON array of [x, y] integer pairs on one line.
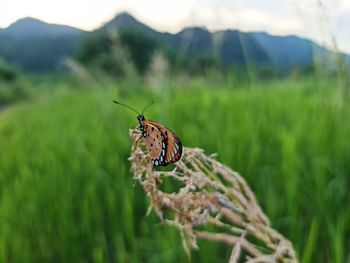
[[140, 117]]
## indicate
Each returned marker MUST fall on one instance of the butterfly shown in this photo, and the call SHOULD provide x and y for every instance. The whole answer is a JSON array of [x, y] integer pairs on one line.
[[162, 144]]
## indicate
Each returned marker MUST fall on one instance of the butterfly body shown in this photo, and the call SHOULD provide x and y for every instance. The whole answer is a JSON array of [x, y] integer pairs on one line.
[[163, 145]]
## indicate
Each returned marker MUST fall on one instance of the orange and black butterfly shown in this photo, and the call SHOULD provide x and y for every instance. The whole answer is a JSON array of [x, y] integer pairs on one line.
[[162, 144]]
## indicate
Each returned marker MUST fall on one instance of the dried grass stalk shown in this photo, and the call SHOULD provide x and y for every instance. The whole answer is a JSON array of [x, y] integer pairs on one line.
[[210, 193]]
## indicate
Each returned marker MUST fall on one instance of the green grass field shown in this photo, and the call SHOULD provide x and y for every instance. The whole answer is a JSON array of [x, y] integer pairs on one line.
[[66, 193]]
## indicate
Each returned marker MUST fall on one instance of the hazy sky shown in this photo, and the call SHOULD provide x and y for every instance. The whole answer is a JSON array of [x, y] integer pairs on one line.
[[302, 17]]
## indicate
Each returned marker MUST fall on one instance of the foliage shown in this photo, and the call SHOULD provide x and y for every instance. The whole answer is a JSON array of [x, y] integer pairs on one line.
[[66, 193], [198, 65], [141, 48], [11, 86], [7, 73], [112, 51]]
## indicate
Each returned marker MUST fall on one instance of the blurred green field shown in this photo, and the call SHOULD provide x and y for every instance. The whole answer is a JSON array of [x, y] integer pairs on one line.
[[66, 193]]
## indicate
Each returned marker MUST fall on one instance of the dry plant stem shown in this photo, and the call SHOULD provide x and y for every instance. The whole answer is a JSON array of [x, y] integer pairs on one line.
[[236, 250], [210, 194]]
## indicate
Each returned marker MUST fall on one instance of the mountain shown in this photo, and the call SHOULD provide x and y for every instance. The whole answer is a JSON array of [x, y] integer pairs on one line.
[[233, 47], [31, 27], [124, 21], [37, 46], [194, 40], [287, 51], [238, 48], [197, 42]]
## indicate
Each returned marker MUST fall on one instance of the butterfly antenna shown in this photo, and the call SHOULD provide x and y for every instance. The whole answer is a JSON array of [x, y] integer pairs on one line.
[[149, 105], [131, 108]]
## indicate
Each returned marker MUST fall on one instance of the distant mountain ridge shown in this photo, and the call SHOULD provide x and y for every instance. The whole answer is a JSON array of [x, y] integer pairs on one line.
[[226, 45], [37, 46], [28, 41], [234, 47], [32, 27]]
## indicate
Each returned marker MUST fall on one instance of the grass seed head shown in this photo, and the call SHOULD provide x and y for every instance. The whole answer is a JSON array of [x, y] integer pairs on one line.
[[210, 193]]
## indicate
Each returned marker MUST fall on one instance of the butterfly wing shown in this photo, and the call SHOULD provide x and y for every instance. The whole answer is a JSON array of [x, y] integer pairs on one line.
[[172, 143], [174, 149], [154, 141]]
